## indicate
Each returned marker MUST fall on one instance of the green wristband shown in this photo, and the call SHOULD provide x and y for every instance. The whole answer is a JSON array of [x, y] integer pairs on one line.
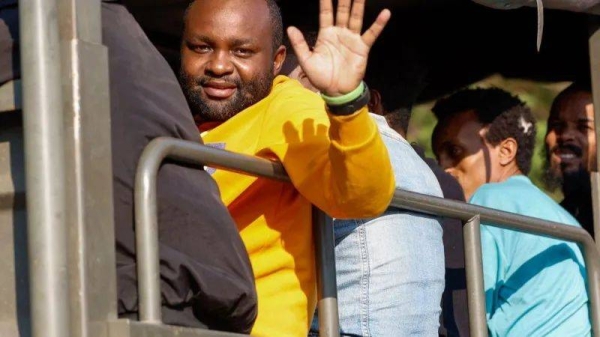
[[347, 98]]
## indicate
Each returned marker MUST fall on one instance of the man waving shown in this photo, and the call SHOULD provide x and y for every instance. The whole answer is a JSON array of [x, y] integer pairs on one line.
[[231, 52]]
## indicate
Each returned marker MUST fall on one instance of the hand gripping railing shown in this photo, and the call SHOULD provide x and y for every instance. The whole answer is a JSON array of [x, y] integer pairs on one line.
[[196, 154]]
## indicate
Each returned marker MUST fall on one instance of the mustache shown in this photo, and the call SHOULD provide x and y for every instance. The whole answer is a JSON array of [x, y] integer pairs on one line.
[[575, 149], [203, 80]]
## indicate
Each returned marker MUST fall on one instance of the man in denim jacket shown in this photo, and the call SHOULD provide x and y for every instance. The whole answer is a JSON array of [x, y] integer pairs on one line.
[[390, 269]]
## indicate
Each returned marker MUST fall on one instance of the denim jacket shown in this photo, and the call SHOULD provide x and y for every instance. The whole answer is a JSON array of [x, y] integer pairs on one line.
[[411, 172]]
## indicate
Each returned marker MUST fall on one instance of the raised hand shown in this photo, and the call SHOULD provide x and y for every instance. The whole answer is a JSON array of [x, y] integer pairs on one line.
[[338, 62]]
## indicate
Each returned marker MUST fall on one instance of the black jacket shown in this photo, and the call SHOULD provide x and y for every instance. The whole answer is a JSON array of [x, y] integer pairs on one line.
[[205, 270], [206, 277]]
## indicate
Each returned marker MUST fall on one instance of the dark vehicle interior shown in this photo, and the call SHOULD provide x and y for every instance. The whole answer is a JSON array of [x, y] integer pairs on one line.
[[445, 44]]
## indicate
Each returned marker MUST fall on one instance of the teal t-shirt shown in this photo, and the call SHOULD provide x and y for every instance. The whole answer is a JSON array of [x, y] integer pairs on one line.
[[534, 286]]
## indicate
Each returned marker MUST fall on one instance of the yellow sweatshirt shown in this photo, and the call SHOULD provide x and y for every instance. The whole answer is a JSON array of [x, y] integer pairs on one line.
[[338, 163]]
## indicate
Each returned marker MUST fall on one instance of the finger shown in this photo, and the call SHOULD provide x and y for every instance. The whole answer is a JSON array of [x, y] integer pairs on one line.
[[299, 44], [376, 28], [325, 14], [343, 13], [356, 17]]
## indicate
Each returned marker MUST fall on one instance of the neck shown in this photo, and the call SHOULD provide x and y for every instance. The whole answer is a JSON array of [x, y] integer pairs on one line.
[[577, 185], [509, 172]]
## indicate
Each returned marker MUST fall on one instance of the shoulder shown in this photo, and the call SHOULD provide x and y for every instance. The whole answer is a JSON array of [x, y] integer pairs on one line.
[[519, 195], [503, 195], [287, 90], [290, 101], [411, 172]]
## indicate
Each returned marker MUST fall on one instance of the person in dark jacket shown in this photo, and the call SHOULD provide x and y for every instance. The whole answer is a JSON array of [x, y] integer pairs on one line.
[[206, 277]]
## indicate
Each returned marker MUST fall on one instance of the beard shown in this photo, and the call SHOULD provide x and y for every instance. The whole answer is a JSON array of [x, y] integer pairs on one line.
[[207, 110], [552, 176], [570, 181]]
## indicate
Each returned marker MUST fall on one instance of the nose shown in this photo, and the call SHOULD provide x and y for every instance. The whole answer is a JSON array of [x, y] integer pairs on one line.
[[219, 64], [565, 133]]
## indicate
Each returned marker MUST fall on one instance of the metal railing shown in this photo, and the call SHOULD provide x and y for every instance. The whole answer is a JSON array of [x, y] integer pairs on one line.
[[472, 215], [197, 154]]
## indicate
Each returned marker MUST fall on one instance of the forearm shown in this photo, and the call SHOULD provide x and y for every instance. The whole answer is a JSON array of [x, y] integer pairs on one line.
[[362, 182]]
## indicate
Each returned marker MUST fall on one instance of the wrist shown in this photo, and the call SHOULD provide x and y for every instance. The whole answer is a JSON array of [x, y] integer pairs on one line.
[[349, 103], [345, 98]]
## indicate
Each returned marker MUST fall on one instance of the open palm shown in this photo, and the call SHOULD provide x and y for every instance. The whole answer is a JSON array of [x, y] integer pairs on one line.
[[338, 62]]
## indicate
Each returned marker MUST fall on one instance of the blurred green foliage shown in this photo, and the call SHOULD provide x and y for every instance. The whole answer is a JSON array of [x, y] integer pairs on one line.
[[538, 97]]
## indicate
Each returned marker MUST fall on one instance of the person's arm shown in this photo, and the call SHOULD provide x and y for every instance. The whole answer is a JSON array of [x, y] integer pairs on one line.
[[338, 163]]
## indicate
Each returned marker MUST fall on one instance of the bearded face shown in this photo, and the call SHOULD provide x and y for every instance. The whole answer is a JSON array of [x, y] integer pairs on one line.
[[570, 148]]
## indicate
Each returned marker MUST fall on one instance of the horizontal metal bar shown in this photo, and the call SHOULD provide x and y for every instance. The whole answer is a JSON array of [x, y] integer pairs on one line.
[[146, 219], [459, 210], [463, 211], [128, 328], [197, 154]]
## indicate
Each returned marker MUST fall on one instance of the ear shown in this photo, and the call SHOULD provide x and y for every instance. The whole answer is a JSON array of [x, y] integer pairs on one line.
[[507, 151], [278, 59], [375, 105]]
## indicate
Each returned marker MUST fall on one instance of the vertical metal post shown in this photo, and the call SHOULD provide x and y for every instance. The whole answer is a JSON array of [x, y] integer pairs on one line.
[[594, 46], [474, 271], [329, 325], [592, 266], [146, 232], [44, 167]]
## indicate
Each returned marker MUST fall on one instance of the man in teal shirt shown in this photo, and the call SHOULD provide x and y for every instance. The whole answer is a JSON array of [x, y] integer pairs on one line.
[[535, 286]]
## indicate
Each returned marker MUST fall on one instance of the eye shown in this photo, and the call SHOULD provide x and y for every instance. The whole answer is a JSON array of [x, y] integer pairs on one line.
[[243, 52], [200, 48], [584, 127], [556, 126]]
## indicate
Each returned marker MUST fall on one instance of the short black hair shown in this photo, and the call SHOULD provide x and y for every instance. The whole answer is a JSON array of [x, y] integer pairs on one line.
[[505, 115], [276, 24], [275, 16], [399, 85], [577, 86]]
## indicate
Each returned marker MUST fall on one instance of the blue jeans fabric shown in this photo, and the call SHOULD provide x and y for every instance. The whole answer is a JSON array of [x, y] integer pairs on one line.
[[390, 269]]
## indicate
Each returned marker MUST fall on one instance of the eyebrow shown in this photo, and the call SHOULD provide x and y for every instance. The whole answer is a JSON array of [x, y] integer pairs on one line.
[[585, 120], [235, 42]]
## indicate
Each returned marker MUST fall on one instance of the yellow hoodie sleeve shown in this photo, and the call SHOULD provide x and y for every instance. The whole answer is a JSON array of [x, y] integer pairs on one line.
[[338, 163]]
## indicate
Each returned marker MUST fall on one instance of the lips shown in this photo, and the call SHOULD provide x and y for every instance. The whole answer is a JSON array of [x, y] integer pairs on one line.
[[219, 90], [567, 153]]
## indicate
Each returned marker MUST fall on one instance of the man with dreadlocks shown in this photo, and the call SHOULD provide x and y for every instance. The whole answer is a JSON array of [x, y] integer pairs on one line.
[[534, 286]]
